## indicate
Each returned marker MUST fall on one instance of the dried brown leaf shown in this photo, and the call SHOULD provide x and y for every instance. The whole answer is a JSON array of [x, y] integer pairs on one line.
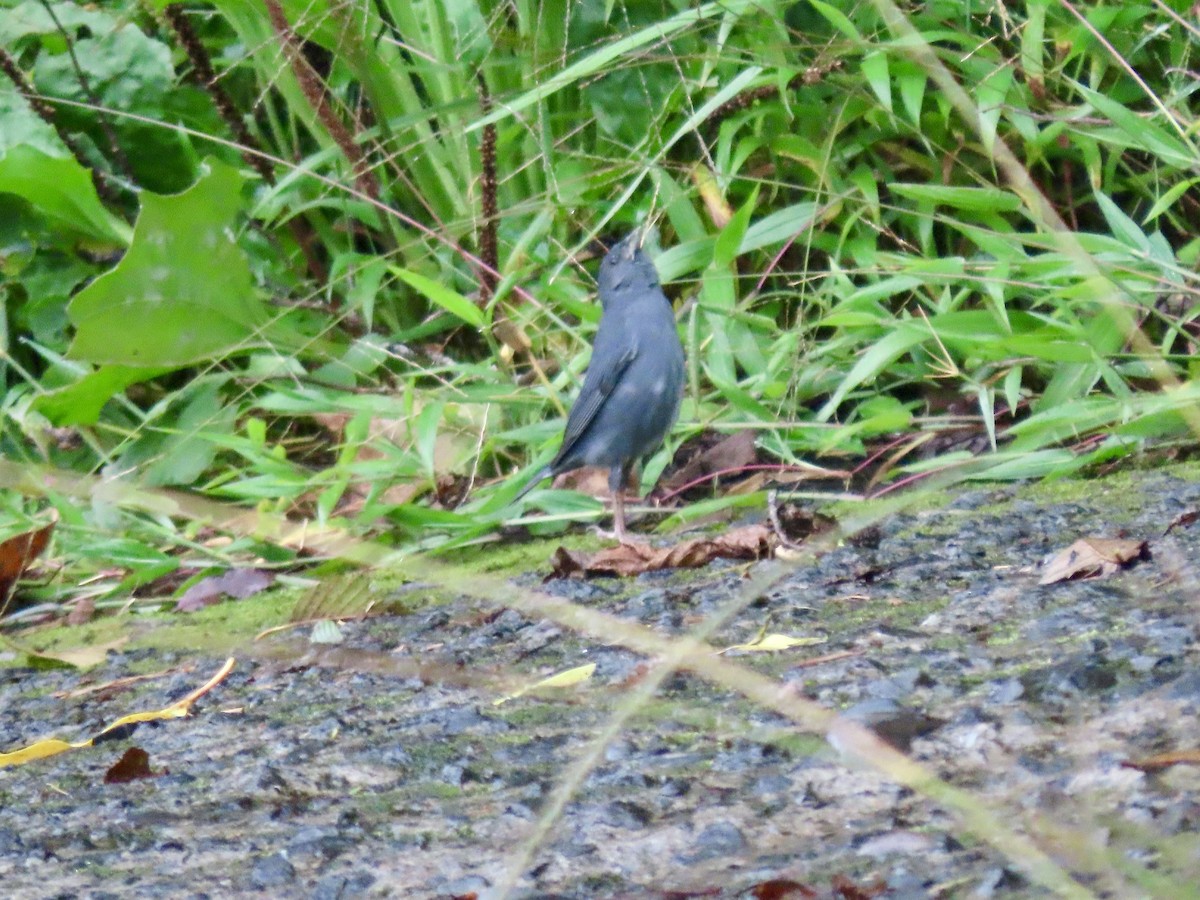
[[82, 612], [236, 583], [847, 889], [134, 764], [1092, 558], [748, 542], [782, 889], [19, 551], [1160, 761], [727, 455], [798, 523], [1183, 520]]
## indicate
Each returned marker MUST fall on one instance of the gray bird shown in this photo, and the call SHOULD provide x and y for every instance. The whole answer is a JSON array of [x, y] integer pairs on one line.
[[634, 382]]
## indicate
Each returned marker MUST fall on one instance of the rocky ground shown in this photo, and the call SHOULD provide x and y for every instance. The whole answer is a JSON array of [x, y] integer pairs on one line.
[[385, 768]]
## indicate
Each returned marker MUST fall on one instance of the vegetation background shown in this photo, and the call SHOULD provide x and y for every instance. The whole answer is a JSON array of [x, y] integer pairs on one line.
[[336, 259], [333, 263]]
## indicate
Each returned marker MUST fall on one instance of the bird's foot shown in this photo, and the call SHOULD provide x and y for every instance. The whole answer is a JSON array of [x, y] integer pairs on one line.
[[621, 536]]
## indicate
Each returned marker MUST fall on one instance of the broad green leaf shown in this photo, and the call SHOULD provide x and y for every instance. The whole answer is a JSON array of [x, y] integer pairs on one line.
[[778, 227], [183, 292], [769, 231], [1069, 420], [740, 400], [61, 189], [1012, 387], [888, 287], [1037, 464], [677, 202], [882, 415], [185, 449], [25, 128], [425, 428], [719, 358], [80, 403], [1032, 36], [735, 86]]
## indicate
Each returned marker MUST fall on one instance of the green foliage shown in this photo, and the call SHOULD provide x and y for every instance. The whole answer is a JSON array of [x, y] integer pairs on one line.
[[853, 264], [60, 190], [182, 270]]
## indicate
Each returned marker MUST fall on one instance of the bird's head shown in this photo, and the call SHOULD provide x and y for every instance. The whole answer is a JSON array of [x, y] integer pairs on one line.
[[625, 266]]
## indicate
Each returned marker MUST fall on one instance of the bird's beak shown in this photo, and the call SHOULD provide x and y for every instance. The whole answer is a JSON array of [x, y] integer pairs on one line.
[[637, 240], [632, 244]]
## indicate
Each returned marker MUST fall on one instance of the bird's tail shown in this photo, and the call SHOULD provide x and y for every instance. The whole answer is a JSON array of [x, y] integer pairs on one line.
[[533, 482]]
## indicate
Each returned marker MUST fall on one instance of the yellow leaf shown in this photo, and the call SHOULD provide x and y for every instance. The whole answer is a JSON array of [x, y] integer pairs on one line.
[[770, 643], [177, 710], [40, 750], [560, 680]]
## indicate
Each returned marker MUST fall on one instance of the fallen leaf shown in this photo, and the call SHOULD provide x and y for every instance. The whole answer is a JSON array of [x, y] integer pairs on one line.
[[590, 480], [748, 542], [451, 490], [798, 523], [81, 613], [19, 551], [236, 583], [118, 729], [510, 334], [326, 631], [133, 764], [779, 476], [1092, 558], [843, 887], [83, 657], [568, 678], [1183, 520], [712, 455], [1160, 761], [345, 596], [815, 661], [782, 889], [772, 643], [111, 688]]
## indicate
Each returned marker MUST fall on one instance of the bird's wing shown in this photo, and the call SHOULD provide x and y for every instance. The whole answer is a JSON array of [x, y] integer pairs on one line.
[[595, 392]]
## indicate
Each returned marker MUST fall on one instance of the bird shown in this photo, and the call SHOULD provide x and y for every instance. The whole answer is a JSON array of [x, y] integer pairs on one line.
[[634, 382]]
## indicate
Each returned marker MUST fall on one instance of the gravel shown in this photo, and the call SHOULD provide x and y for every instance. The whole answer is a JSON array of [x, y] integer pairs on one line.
[[337, 774]]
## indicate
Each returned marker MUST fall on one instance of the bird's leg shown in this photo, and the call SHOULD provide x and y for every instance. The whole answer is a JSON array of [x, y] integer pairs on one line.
[[617, 479], [619, 516]]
